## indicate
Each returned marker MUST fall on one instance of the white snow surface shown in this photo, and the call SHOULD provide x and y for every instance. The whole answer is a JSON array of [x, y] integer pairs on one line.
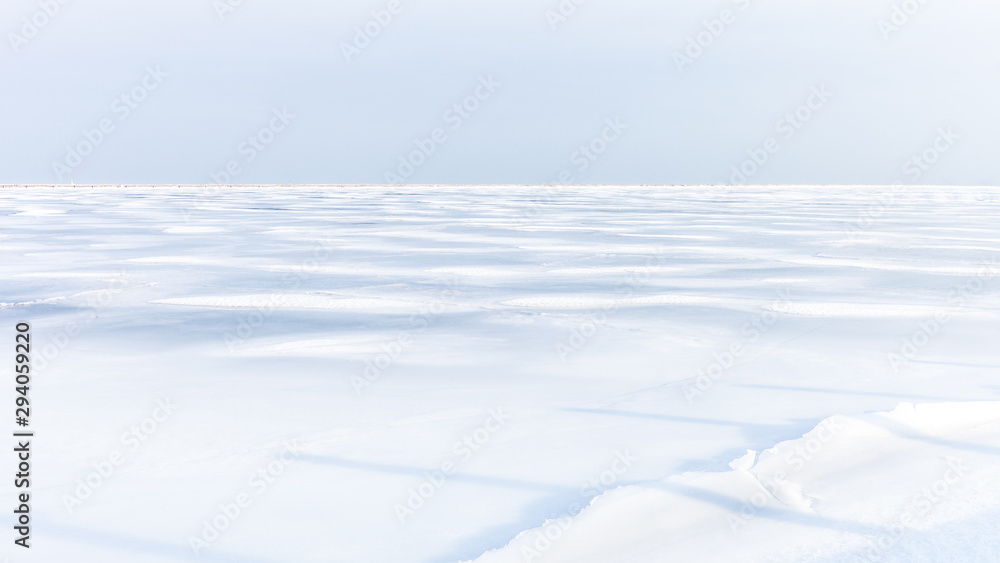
[[507, 374]]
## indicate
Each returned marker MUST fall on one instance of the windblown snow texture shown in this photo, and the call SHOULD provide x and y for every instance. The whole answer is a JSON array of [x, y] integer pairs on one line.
[[434, 375]]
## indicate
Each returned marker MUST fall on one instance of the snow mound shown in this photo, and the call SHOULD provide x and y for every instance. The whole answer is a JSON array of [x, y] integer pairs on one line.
[[861, 483]]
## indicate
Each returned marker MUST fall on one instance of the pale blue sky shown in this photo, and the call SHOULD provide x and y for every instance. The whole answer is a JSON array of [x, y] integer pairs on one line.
[[278, 71]]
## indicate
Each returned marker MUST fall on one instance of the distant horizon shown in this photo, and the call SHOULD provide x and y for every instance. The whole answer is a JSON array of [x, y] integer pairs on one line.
[[403, 186]]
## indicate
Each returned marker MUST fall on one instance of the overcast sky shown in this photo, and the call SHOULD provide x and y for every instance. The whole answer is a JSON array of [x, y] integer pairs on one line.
[[500, 91]]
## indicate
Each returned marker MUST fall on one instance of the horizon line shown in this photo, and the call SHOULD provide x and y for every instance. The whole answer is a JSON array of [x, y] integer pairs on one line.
[[402, 186]]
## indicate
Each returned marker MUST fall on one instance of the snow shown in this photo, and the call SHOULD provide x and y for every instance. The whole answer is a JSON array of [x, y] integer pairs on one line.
[[435, 375], [831, 488]]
